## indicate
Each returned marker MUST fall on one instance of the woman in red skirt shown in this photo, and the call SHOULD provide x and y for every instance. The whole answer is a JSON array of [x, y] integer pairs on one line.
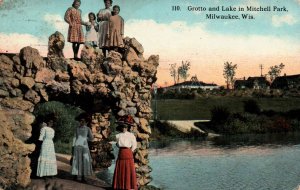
[[124, 175]]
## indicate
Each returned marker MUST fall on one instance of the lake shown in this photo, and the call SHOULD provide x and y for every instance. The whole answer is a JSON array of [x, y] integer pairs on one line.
[[257, 162]]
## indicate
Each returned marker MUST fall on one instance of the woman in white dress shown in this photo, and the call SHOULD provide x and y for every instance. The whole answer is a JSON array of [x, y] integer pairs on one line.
[[47, 160], [91, 36], [82, 160], [103, 17]]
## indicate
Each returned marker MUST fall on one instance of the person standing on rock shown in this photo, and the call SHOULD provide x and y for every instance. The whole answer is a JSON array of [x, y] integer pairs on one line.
[[75, 32], [125, 174], [82, 160], [91, 36], [47, 165], [103, 17], [116, 30]]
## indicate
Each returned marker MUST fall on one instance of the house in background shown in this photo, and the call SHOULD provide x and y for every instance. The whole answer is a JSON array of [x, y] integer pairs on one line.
[[252, 83], [286, 82], [240, 84], [194, 84]]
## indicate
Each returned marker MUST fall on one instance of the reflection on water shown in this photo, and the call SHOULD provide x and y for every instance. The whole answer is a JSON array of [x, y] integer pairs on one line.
[[233, 163], [239, 144]]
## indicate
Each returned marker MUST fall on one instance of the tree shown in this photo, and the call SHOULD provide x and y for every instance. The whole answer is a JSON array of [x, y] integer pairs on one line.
[[229, 73], [183, 70], [173, 71], [180, 72], [275, 71]]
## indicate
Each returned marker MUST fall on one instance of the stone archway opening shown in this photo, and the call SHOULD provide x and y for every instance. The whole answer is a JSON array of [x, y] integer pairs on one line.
[[64, 119], [118, 84]]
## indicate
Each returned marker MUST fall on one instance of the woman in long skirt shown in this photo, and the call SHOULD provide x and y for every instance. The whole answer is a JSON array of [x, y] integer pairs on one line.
[[116, 30], [82, 160], [124, 174], [47, 160], [103, 17]]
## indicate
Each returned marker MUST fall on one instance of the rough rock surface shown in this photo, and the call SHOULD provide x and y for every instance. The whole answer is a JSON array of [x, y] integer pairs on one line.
[[118, 84]]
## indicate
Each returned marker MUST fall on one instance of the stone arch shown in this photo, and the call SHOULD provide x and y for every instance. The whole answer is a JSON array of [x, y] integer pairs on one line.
[[118, 84]]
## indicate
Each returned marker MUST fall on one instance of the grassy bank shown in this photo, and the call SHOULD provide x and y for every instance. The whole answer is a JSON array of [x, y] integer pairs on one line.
[[175, 109], [163, 130]]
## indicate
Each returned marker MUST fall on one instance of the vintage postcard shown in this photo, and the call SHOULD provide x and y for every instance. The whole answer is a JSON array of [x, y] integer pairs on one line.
[[213, 88]]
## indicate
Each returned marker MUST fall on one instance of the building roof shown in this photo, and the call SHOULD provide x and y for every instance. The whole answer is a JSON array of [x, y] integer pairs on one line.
[[289, 76], [250, 82], [194, 83]]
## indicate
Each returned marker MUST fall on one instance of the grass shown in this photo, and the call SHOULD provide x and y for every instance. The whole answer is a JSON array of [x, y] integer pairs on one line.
[[175, 109], [62, 147]]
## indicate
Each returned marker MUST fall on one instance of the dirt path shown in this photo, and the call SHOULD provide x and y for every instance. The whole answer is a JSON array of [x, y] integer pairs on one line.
[[65, 180]]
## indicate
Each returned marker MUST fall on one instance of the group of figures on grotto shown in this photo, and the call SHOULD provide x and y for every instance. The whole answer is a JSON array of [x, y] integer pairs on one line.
[[105, 31]]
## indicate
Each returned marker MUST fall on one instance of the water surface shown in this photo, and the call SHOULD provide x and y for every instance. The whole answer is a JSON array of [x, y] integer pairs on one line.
[[257, 162]]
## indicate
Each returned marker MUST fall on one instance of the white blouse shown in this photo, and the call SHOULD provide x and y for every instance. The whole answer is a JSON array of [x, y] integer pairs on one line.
[[126, 139], [91, 33]]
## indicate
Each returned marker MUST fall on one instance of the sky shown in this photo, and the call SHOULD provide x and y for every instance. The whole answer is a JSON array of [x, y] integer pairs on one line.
[[271, 38]]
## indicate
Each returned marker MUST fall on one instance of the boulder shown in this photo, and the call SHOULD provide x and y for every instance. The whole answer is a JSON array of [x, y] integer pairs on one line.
[[145, 125], [6, 63], [32, 96], [14, 162], [62, 76], [16, 103], [132, 58], [78, 71], [136, 46], [56, 45], [28, 82], [44, 76], [31, 59], [59, 87], [3, 93]]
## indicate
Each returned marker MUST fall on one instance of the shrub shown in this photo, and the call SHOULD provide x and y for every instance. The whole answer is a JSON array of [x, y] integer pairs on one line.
[[269, 113], [295, 113], [239, 127], [280, 124], [219, 114], [295, 124], [62, 147], [177, 94], [64, 123], [251, 106], [246, 123]]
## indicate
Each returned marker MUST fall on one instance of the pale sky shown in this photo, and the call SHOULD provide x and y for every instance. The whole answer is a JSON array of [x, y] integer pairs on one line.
[[273, 37]]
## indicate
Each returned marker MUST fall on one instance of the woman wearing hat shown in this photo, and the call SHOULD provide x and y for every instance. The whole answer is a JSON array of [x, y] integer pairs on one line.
[[124, 174]]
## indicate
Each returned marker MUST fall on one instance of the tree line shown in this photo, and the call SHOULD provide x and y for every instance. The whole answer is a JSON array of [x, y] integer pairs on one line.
[[230, 68], [229, 72]]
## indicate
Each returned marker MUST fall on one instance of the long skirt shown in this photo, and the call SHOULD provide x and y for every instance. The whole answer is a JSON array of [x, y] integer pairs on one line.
[[124, 175], [103, 31], [47, 160], [82, 162]]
